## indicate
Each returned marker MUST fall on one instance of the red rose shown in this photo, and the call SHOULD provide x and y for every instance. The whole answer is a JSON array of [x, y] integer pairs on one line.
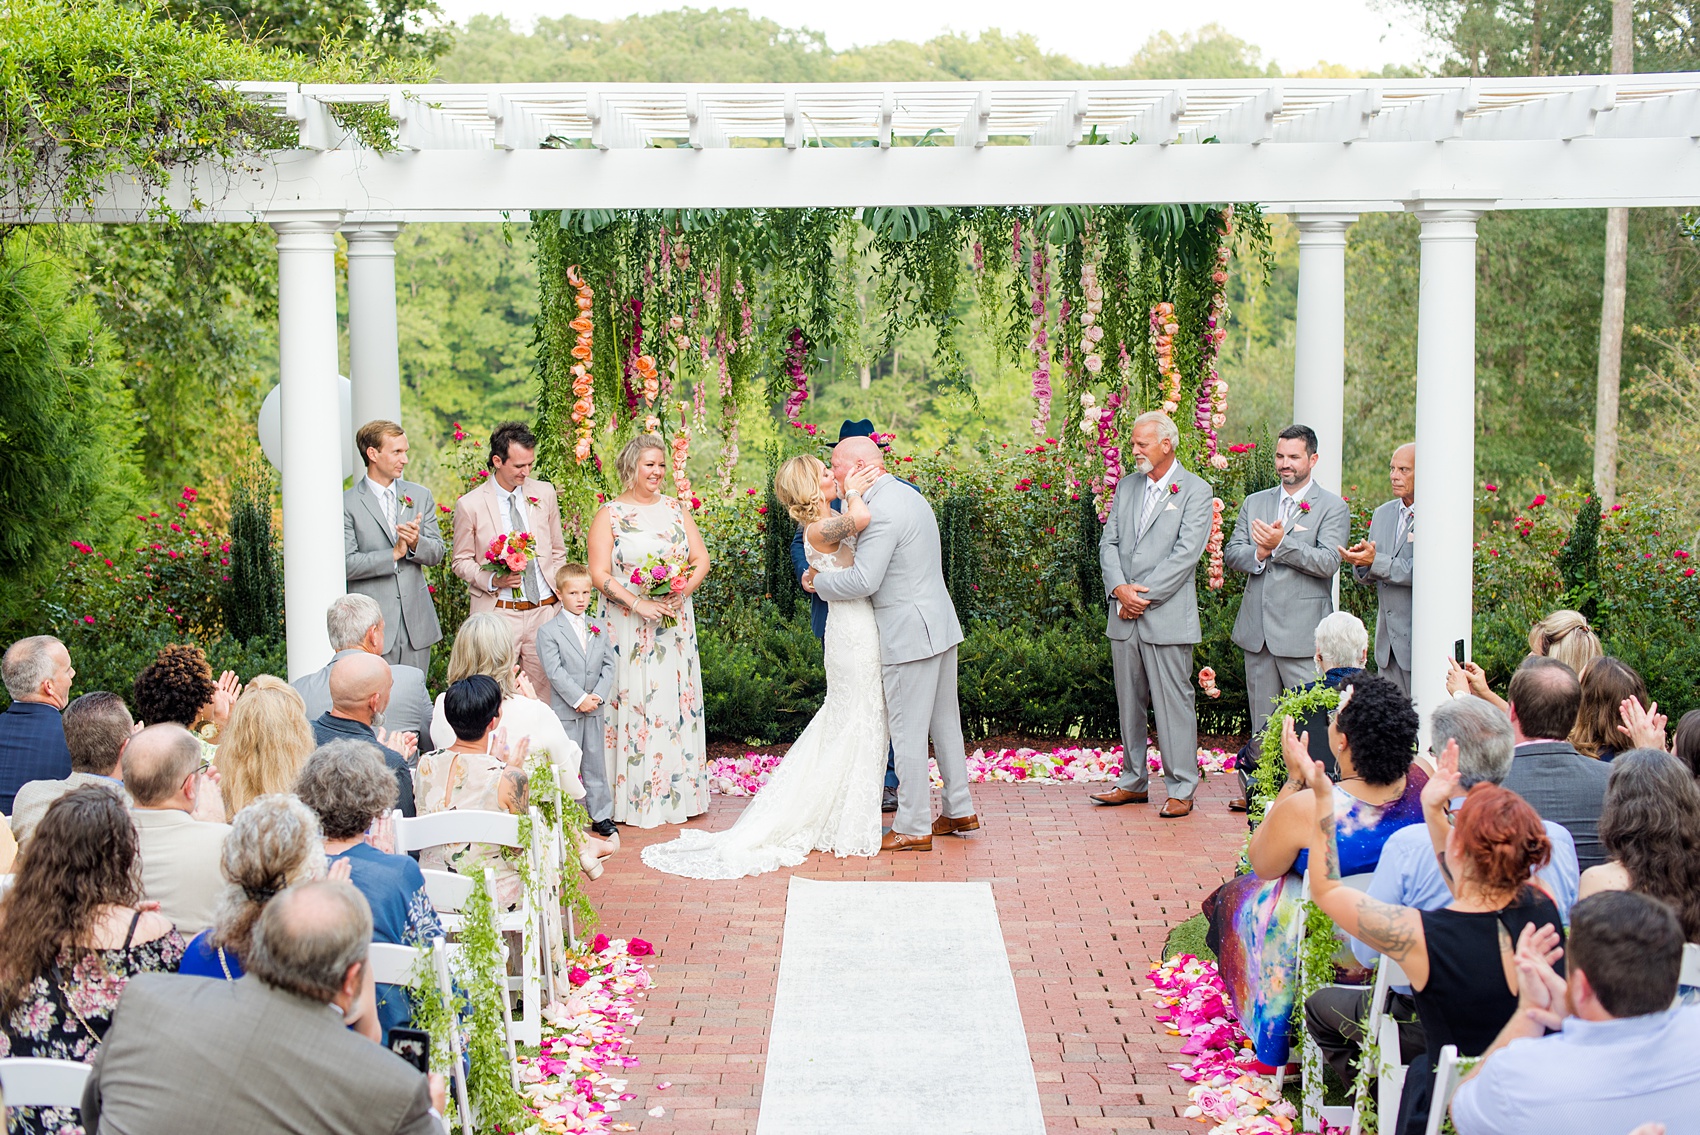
[[1173, 489], [1304, 506], [1539, 500], [578, 975], [1491, 488], [638, 948], [599, 943]]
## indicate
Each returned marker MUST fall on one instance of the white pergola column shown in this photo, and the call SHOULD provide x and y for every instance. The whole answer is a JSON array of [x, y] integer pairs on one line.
[[1443, 579], [1319, 356], [312, 464], [374, 353]]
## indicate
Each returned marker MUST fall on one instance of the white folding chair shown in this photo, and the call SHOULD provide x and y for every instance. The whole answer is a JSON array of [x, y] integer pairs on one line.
[[1690, 974], [1310, 1062], [470, 825], [400, 965], [1383, 1030], [448, 893], [33, 1081], [1447, 1073]]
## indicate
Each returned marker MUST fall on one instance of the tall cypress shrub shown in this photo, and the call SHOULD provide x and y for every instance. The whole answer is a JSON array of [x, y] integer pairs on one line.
[[253, 592]]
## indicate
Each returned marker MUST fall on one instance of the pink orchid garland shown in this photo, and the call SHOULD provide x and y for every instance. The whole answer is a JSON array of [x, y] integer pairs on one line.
[[796, 355], [1039, 273]]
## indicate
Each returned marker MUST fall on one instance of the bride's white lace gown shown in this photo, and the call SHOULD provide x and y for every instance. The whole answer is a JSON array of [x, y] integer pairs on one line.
[[825, 794]]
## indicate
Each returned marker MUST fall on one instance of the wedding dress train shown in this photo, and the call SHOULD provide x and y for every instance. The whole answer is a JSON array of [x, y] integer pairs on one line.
[[825, 794]]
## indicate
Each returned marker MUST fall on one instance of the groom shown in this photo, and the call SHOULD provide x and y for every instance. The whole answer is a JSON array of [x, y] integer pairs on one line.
[[898, 566]]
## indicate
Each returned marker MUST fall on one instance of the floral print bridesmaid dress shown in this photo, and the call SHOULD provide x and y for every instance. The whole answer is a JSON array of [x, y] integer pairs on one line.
[[655, 735]]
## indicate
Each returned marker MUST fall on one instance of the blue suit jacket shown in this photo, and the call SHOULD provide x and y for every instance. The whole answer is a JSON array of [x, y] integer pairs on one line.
[[329, 727], [800, 564], [32, 747]]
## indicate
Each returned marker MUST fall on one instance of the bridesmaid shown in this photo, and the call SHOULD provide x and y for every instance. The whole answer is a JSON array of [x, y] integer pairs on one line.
[[656, 741]]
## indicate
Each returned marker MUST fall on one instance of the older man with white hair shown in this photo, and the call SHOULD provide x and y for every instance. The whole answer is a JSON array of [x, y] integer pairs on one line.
[[356, 625], [38, 675], [1156, 530]]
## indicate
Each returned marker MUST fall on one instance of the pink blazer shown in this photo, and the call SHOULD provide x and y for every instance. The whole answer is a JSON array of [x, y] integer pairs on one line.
[[477, 523]]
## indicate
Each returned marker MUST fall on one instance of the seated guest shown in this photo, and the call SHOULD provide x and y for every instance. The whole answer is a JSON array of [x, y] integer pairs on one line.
[[178, 687], [1342, 647], [1622, 1055], [1409, 875], [1606, 684], [1685, 742], [179, 854], [1547, 771], [1650, 828], [356, 624], [264, 745], [479, 771], [97, 728], [72, 931], [360, 693], [485, 645], [1373, 736], [289, 1047], [348, 786], [8, 847], [37, 674], [273, 844], [1563, 635], [1458, 958]]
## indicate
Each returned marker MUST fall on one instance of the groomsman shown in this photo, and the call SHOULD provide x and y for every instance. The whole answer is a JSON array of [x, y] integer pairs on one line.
[[511, 502], [1287, 542], [1157, 528], [1385, 559], [389, 538]]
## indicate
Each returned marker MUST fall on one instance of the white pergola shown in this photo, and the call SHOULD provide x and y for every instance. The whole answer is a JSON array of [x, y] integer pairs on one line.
[[1322, 151]]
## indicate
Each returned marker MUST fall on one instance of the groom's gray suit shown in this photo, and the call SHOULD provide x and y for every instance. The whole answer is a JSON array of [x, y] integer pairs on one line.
[[1152, 654], [898, 565]]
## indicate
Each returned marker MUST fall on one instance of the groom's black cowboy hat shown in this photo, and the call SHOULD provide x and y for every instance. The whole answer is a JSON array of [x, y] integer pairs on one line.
[[863, 428]]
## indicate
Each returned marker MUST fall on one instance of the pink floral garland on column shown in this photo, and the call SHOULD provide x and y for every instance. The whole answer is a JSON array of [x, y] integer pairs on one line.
[[1163, 328], [681, 453], [1040, 276], [796, 355], [1213, 392], [584, 386], [1214, 545]]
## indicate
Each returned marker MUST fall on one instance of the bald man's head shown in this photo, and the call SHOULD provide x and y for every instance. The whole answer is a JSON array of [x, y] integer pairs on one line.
[[157, 763], [360, 687], [852, 453], [1402, 472], [310, 940]]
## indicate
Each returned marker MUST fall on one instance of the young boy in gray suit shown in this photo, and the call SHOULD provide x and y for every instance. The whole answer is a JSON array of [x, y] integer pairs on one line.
[[580, 668]]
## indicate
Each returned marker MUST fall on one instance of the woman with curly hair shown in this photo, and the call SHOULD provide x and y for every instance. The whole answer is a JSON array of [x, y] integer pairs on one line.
[[1459, 959], [72, 932], [265, 744], [273, 844], [1373, 736], [1650, 827], [178, 686]]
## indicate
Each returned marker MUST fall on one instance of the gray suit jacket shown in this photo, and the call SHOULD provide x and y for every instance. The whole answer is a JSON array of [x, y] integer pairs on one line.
[[410, 701], [1165, 558], [898, 565], [1391, 574], [399, 586], [1566, 788], [194, 1056], [574, 671], [1295, 590]]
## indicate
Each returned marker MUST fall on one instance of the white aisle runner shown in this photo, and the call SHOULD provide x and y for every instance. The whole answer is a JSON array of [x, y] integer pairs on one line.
[[896, 1011]]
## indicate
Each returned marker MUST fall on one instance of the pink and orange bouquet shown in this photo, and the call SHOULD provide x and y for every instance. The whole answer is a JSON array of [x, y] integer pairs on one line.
[[512, 551], [658, 577]]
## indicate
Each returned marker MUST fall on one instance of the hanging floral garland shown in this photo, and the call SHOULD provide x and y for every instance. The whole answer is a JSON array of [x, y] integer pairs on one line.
[[584, 387], [1213, 546], [1039, 270], [681, 454], [1213, 395], [796, 355]]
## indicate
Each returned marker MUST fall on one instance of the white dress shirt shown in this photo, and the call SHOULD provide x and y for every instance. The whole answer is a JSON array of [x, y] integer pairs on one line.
[[386, 502], [1281, 500], [508, 504], [576, 622]]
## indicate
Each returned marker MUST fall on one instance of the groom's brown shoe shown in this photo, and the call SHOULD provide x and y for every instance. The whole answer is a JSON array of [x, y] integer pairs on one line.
[[956, 825], [1117, 796], [1176, 808], [897, 841]]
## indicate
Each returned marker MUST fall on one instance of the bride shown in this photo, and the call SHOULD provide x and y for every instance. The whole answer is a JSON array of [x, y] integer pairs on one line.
[[825, 794]]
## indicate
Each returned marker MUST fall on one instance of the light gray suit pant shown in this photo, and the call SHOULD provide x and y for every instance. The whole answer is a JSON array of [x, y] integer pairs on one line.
[[587, 730], [920, 700], [1266, 675], [398, 653], [1396, 674], [1158, 677]]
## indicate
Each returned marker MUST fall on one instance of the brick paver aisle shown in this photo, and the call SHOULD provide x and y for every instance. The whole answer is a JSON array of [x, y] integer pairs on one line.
[[1086, 896]]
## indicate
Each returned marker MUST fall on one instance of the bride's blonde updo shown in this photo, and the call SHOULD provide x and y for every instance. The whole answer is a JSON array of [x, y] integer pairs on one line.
[[797, 485]]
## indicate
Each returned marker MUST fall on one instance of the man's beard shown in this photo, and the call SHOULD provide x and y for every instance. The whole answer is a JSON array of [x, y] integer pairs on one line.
[[1289, 478], [1142, 465]]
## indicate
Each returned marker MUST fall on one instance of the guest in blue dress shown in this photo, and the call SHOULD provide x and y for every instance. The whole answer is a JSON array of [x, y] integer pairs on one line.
[[352, 791], [273, 844]]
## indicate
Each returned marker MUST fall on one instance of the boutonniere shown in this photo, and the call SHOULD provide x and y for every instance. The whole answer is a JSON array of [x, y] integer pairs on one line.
[[1174, 488], [1304, 506], [594, 629], [407, 502], [533, 500]]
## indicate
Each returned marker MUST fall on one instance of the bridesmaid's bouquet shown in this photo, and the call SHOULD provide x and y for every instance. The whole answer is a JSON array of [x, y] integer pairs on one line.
[[658, 577]]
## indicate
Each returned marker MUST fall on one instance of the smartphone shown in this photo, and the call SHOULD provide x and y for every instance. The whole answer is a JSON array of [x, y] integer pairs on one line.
[[1458, 651], [413, 1046]]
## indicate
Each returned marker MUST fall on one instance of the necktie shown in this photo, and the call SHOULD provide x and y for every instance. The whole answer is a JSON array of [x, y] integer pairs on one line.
[[516, 524], [395, 505], [1289, 508], [1407, 517], [1153, 493]]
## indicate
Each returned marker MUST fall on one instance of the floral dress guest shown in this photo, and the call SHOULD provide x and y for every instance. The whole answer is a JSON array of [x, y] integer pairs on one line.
[[71, 935], [656, 739]]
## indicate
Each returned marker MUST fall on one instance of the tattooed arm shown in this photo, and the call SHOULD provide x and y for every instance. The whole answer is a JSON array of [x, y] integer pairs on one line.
[[1396, 931], [511, 791]]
